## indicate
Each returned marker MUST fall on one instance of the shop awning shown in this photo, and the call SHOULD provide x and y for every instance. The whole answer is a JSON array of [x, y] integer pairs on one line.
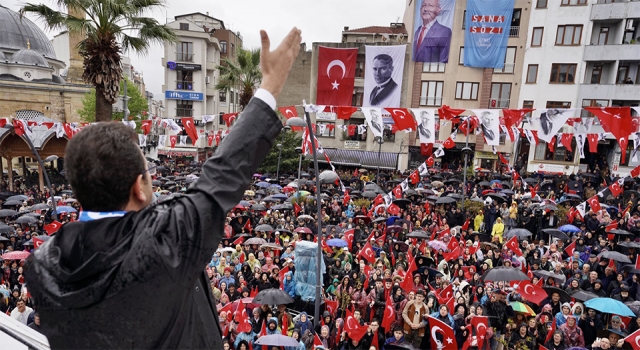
[[363, 159], [178, 152]]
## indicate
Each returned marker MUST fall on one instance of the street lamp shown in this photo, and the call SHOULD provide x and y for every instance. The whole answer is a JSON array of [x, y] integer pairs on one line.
[[380, 141], [327, 175], [465, 151]]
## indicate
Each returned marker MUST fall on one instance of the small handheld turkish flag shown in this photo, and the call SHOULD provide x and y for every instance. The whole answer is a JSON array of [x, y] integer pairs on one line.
[[594, 203], [514, 246], [531, 292], [397, 191], [367, 253], [615, 188], [480, 323], [190, 128], [634, 340], [173, 139], [52, 227], [415, 177], [442, 335], [570, 248], [635, 172], [393, 209], [389, 314], [145, 125]]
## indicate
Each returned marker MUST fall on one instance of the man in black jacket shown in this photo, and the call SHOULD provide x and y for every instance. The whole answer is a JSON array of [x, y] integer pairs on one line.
[[128, 260]]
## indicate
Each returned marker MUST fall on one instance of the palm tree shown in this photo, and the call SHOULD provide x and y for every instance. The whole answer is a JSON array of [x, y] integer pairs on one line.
[[109, 27], [243, 72]]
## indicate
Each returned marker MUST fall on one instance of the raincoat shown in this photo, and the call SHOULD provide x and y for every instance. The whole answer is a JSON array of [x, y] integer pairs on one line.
[[118, 268]]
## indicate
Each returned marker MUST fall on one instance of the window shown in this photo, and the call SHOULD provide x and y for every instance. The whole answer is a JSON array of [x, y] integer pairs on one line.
[[185, 52], [509, 62], [558, 104], [464, 19], [356, 136], [223, 47], [431, 94], [360, 66], [503, 139], [358, 97], [514, 32], [184, 26], [541, 4], [563, 73], [461, 57], [184, 108], [221, 119], [592, 103], [559, 154], [223, 96], [527, 104], [603, 36], [433, 67], [329, 130], [536, 37], [596, 74], [387, 135], [467, 91], [500, 95], [623, 73], [185, 80], [573, 2], [569, 35], [532, 74]]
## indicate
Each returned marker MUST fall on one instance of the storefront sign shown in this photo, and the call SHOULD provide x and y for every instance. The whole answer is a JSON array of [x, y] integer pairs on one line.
[[486, 155], [183, 66], [352, 144], [325, 116], [550, 168], [182, 95], [170, 153]]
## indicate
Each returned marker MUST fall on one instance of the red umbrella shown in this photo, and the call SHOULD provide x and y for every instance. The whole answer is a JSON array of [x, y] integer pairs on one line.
[[15, 255], [366, 219], [302, 230], [239, 207]]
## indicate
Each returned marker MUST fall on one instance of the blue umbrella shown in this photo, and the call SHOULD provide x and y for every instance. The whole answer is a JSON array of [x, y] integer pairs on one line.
[[569, 228], [5, 292], [280, 196], [392, 219], [609, 306], [263, 184], [275, 185], [337, 242], [65, 209]]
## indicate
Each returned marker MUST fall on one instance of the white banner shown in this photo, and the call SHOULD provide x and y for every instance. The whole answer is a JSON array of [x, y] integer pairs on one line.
[[383, 75], [490, 123], [142, 140], [162, 140], [549, 122], [426, 120], [374, 120]]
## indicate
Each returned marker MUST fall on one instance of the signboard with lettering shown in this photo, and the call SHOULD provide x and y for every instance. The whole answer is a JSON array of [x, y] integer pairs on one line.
[[352, 144], [184, 95], [325, 116], [487, 30], [183, 66], [550, 168]]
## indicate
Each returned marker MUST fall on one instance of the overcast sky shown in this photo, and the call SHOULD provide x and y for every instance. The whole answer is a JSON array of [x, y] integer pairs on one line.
[[320, 20]]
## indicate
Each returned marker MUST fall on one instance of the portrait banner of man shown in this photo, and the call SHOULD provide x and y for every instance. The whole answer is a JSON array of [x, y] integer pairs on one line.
[[425, 118], [433, 20], [373, 117], [383, 75], [549, 122], [490, 124]]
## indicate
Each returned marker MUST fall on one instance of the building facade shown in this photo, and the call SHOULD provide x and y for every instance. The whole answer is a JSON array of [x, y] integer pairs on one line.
[[581, 53]]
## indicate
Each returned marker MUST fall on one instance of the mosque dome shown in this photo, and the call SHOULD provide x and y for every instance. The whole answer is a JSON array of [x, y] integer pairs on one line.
[[17, 33], [29, 57]]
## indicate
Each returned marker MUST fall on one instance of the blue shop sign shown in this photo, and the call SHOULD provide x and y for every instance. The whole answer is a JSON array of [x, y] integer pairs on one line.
[[183, 95]]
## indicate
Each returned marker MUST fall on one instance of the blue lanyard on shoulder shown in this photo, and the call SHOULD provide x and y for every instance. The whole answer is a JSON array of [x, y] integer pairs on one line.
[[96, 215]]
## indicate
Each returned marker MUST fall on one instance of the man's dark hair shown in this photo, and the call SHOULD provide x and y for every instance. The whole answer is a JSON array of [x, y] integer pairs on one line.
[[101, 163], [384, 58]]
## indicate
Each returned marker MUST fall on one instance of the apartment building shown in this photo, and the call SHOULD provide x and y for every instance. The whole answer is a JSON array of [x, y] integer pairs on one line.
[[581, 53]]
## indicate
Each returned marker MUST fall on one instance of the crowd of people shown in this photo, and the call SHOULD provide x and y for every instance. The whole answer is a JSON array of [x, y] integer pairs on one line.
[[403, 242]]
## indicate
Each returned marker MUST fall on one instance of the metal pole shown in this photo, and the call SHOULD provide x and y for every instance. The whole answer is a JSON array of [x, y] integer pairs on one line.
[[278, 170], [379, 149], [464, 171], [46, 176], [316, 312], [124, 101]]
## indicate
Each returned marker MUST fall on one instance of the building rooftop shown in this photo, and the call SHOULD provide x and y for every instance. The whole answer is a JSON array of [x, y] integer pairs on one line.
[[395, 28], [15, 32]]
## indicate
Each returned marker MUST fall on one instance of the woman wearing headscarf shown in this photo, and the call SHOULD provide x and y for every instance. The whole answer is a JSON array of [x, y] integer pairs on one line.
[[253, 262], [556, 342], [498, 229], [521, 338], [303, 323], [561, 317], [289, 284], [573, 336]]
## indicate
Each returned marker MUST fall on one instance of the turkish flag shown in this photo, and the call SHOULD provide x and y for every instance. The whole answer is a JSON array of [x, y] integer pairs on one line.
[[336, 72], [190, 128], [393, 209], [635, 172], [210, 140], [389, 314], [430, 161], [452, 255], [367, 253], [354, 330], [427, 207], [594, 203], [616, 120], [480, 323], [611, 226], [514, 116], [378, 200], [552, 144], [570, 248], [445, 294], [407, 282], [37, 242], [68, 130], [593, 142], [242, 318], [351, 129], [348, 237], [531, 292], [449, 143], [415, 177], [402, 118], [344, 112], [514, 246], [566, 141], [331, 306], [465, 226], [52, 227], [229, 118], [281, 276], [442, 335], [254, 292], [397, 191], [146, 126], [173, 139], [426, 149], [291, 112], [20, 127], [448, 113], [453, 244], [238, 240], [638, 262], [615, 188]]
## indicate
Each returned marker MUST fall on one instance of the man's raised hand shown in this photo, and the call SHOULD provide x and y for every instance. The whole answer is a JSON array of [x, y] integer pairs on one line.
[[275, 65]]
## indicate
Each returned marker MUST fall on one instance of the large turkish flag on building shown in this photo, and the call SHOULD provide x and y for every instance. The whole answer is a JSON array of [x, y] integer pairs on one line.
[[336, 71]]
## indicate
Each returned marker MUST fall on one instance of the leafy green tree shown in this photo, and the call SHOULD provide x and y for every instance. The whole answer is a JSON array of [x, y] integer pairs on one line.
[[137, 104], [109, 27], [242, 73], [288, 159]]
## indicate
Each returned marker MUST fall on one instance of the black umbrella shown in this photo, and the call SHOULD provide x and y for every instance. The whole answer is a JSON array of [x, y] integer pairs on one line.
[[12, 202], [402, 202], [496, 197], [615, 256], [258, 207], [503, 273], [521, 233], [7, 212], [264, 228], [40, 206], [445, 200], [369, 194], [451, 181], [621, 232], [484, 184], [634, 245], [419, 234], [272, 296], [25, 220], [6, 229], [556, 233], [4, 239], [564, 296], [584, 295], [455, 196], [544, 274]]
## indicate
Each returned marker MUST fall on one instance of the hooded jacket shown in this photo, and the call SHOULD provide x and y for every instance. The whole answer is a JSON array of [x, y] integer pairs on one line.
[[138, 281]]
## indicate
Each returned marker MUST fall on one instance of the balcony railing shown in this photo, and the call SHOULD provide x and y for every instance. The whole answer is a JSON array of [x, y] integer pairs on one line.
[[184, 85], [430, 101], [184, 112], [514, 32], [507, 69], [184, 56], [498, 103]]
